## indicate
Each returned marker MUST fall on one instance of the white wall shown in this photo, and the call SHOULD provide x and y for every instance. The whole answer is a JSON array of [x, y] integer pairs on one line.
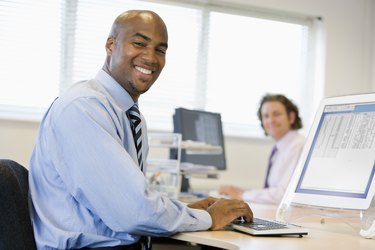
[[349, 68]]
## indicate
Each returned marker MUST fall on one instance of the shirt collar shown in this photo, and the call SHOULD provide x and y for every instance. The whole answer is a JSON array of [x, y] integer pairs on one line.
[[286, 139], [118, 93]]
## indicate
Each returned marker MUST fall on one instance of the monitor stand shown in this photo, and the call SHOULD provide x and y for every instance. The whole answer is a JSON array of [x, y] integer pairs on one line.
[[185, 185], [361, 220]]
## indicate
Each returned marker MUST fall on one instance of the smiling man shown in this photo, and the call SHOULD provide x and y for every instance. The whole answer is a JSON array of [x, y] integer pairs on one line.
[[87, 183], [280, 120]]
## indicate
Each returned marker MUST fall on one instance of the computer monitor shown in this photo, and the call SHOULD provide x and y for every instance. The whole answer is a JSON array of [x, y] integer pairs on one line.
[[200, 126], [337, 166]]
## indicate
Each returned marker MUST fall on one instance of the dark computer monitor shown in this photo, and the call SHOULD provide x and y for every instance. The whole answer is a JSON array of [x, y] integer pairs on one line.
[[199, 126]]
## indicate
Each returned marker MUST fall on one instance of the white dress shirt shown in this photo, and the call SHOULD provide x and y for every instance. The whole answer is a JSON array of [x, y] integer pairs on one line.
[[289, 148]]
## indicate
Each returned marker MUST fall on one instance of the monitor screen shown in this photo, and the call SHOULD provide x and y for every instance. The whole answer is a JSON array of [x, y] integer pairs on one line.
[[337, 165], [200, 126], [343, 150]]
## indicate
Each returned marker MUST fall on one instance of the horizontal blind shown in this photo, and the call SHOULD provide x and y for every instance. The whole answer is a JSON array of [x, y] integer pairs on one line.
[[249, 57], [29, 49], [221, 58]]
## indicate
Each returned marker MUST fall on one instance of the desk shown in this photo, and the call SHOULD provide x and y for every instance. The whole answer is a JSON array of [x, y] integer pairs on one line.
[[331, 235]]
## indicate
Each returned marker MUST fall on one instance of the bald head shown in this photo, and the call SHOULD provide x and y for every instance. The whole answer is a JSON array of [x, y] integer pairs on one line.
[[126, 17], [136, 48]]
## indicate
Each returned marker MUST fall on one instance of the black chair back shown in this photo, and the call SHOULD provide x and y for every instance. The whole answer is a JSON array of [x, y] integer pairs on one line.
[[16, 231]]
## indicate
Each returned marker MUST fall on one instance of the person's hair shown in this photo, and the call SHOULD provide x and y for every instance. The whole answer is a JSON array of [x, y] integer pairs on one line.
[[287, 103]]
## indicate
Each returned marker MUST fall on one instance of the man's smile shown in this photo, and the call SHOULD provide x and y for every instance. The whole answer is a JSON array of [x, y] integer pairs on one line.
[[143, 70]]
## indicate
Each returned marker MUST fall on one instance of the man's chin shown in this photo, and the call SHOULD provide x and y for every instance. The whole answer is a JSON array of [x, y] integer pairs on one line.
[[143, 87]]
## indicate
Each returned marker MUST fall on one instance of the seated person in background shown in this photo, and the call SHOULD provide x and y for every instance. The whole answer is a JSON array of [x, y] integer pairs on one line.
[[280, 120], [87, 183]]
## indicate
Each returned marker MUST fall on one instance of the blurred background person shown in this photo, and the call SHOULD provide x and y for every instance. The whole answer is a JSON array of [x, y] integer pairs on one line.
[[280, 120]]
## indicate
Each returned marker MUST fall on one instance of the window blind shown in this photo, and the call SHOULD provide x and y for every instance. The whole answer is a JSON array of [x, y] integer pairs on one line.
[[220, 58]]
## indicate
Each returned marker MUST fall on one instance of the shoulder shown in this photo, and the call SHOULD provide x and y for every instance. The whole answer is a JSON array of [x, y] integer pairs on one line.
[[85, 95], [298, 138], [293, 142], [84, 89]]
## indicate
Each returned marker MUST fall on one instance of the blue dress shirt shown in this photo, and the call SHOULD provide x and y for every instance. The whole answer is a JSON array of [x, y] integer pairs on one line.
[[86, 187]]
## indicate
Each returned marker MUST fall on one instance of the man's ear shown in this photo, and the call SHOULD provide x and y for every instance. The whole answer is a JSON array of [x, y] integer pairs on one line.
[[292, 118], [109, 45]]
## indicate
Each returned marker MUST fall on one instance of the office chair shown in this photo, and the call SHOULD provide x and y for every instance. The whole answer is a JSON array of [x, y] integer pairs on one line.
[[16, 231]]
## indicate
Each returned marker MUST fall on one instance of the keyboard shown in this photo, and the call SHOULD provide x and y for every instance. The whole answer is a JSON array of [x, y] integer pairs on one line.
[[268, 228], [260, 224]]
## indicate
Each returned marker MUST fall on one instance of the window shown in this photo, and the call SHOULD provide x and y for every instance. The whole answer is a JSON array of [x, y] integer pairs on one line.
[[220, 58], [29, 49]]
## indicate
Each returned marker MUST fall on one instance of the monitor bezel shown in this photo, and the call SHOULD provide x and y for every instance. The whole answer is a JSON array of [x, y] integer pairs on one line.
[[327, 200]]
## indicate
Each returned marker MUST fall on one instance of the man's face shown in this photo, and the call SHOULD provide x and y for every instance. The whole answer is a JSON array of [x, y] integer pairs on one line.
[[137, 54], [276, 121]]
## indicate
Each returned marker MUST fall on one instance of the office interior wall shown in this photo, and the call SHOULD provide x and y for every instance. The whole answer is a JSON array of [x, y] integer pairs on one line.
[[349, 68], [17, 139]]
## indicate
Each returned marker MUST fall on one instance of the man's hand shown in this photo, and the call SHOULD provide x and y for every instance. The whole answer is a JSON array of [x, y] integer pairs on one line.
[[224, 211], [203, 204]]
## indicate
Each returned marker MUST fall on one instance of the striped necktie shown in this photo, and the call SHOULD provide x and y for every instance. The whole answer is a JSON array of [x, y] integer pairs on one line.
[[270, 161], [136, 126]]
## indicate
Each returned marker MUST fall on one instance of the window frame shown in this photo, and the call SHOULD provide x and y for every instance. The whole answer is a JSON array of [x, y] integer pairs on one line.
[[312, 88]]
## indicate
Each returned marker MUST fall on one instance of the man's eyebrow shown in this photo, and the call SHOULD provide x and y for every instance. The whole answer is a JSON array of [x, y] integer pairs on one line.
[[143, 36], [149, 39]]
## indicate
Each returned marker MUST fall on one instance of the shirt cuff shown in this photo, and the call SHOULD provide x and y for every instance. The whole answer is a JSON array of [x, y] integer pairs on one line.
[[203, 218]]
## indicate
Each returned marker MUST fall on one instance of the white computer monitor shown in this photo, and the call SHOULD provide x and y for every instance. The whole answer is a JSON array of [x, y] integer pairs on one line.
[[337, 165]]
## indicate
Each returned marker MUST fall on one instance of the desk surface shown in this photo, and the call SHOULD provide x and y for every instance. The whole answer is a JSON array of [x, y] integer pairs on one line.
[[333, 234]]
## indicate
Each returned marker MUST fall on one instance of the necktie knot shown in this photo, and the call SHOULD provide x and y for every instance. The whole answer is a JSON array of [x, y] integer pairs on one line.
[[134, 115]]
